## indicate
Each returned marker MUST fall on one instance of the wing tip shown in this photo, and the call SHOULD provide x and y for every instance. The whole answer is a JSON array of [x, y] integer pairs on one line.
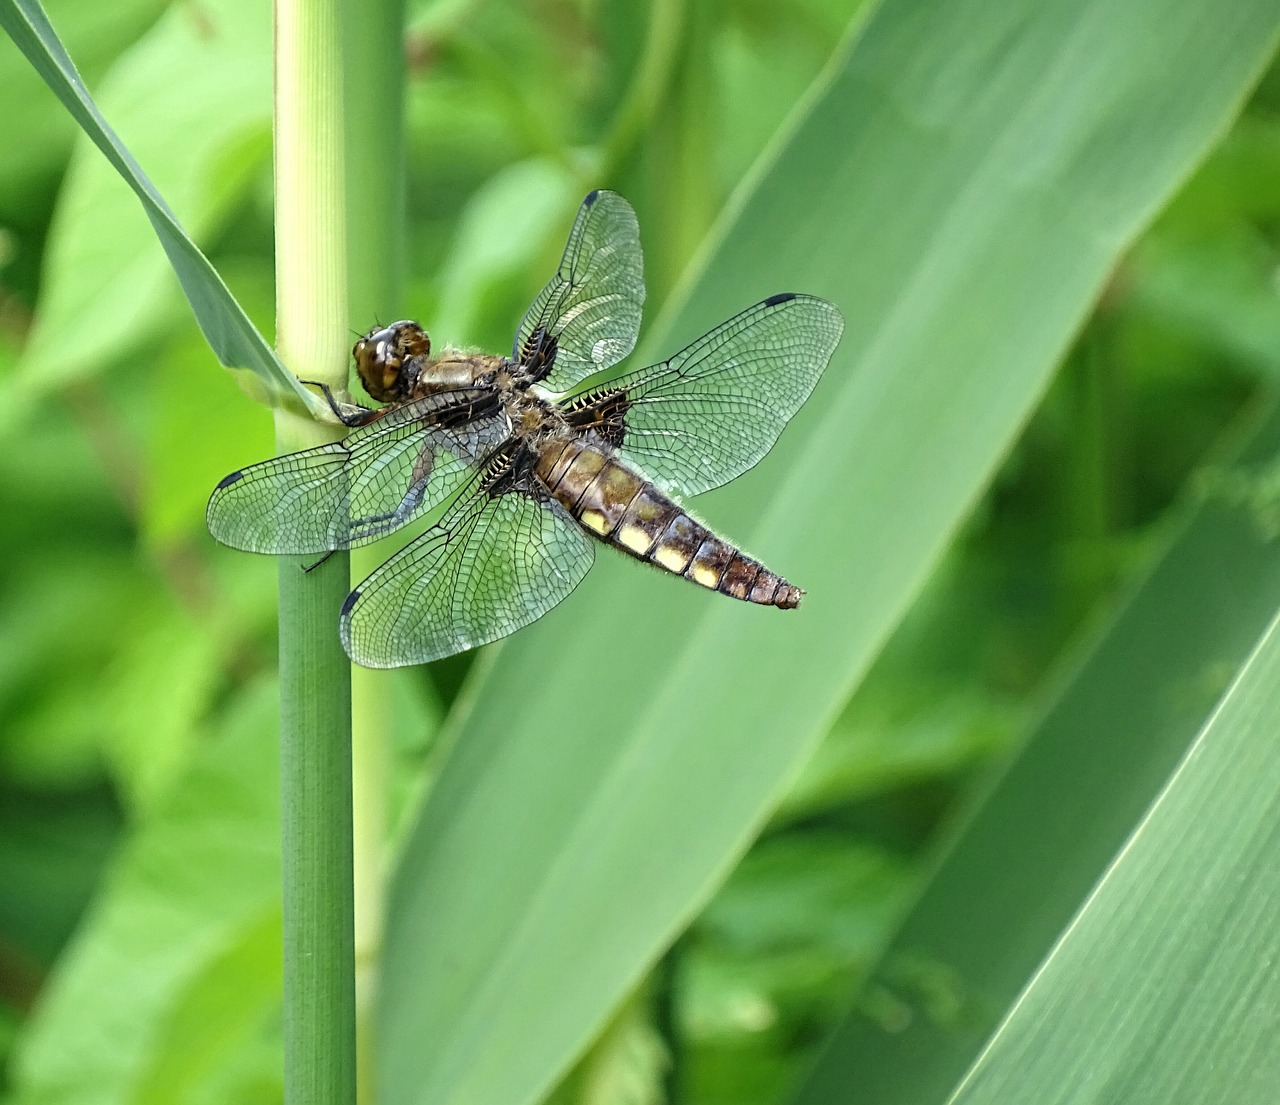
[[823, 306], [214, 518], [591, 197], [359, 652], [229, 479]]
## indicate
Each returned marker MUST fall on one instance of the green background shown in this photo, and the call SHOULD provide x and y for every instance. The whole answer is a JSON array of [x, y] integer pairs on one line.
[[989, 816]]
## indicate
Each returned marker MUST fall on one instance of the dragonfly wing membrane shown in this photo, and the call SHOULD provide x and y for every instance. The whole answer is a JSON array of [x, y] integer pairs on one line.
[[716, 408], [494, 563], [352, 492], [527, 461], [587, 317]]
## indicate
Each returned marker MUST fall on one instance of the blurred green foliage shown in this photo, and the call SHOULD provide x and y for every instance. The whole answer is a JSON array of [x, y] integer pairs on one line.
[[134, 654]]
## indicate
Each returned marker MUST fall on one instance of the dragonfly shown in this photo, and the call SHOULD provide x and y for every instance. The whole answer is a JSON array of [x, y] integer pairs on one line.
[[533, 460]]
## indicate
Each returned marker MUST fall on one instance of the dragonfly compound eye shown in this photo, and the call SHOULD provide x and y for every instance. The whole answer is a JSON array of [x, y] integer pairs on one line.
[[385, 359]]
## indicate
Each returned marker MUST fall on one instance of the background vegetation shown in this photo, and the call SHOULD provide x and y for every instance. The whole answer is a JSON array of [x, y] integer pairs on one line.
[[1090, 561]]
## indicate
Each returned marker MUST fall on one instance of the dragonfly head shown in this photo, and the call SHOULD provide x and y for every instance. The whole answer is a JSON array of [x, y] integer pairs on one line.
[[390, 359]]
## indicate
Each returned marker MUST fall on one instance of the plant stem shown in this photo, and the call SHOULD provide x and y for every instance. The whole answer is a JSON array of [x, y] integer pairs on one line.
[[315, 686], [374, 97], [315, 788]]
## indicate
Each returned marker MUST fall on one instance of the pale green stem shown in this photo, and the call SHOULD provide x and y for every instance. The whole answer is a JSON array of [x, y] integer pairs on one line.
[[315, 689], [374, 98]]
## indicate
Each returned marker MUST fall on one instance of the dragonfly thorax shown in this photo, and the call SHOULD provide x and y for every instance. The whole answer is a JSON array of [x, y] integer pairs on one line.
[[452, 370]]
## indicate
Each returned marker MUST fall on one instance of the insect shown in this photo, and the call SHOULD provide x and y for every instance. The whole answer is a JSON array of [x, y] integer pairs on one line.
[[537, 457]]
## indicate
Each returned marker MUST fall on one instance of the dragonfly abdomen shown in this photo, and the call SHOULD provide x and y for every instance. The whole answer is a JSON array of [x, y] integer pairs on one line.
[[628, 512]]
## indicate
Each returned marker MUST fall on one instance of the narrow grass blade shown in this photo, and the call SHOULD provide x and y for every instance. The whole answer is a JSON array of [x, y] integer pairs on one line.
[[232, 336]]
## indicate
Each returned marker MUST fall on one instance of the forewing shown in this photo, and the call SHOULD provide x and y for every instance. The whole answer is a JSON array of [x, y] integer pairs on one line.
[[587, 318], [714, 409], [352, 492], [490, 566]]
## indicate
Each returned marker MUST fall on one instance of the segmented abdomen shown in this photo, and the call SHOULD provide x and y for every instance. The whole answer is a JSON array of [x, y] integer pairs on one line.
[[630, 513]]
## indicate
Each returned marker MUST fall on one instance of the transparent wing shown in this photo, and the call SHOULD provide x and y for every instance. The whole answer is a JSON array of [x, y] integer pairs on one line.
[[490, 566], [587, 318], [352, 492], [714, 409]]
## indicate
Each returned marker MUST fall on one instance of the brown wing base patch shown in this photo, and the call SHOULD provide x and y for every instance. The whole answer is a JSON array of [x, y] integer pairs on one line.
[[604, 414], [538, 355]]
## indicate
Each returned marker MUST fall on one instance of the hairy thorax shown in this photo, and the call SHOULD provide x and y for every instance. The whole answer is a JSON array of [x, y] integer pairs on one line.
[[534, 419], [455, 369]]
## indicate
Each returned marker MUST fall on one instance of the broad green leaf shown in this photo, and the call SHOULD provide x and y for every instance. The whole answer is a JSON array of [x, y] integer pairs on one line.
[[228, 329], [1165, 988], [220, 1042], [179, 960], [62, 612], [105, 276], [1026, 860], [38, 132], [961, 185], [150, 726]]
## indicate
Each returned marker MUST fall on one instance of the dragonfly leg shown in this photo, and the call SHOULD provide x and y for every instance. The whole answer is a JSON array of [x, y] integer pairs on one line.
[[312, 567], [378, 524], [349, 414]]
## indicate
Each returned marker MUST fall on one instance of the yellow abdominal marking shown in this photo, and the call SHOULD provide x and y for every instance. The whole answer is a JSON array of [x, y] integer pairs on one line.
[[708, 577], [594, 520], [671, 559], [634, 538]]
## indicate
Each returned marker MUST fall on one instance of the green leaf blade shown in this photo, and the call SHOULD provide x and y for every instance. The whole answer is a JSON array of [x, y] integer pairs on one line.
[[963, 207], [1166, 985], [197, 880], [1101, 753], [104, 276], [228, 329]]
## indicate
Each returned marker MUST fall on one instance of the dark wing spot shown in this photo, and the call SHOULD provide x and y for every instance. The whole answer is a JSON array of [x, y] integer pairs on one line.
[[781, 297], [592, 196], [227, 481], [603, 413], [351, 601]]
